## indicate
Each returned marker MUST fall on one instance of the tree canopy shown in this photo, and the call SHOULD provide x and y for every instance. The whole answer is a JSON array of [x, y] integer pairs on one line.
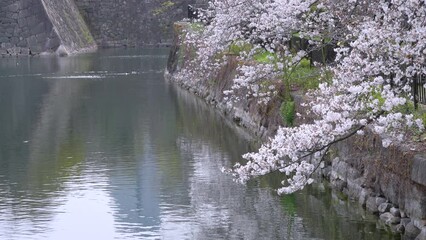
[[380, 49]]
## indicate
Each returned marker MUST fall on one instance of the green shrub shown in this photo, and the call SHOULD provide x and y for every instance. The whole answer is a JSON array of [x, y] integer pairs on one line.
[[287, 111], [423, 118], [304, 76], [238, 47], [196, 27], [265, 57]]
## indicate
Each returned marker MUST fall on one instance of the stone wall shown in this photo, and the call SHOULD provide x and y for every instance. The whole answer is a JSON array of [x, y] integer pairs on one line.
[[130, 23], [390, 182], [73, 33], [72, 26], [25, 28], [42, 26]]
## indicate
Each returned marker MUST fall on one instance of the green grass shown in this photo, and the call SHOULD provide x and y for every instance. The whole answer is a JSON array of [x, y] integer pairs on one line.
[[288, 112], [196, 26], [239, 47], [265, 57], [304, 76]]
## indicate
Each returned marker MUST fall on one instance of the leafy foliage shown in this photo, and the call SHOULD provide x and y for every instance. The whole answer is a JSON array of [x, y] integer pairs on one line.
[[288, 112]]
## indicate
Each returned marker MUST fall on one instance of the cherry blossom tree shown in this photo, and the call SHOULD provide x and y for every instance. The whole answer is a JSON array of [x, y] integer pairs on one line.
[[380, 46]]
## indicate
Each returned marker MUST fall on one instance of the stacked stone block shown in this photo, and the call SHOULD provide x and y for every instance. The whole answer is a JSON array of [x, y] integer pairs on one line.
[[132, 23], [25, 28]]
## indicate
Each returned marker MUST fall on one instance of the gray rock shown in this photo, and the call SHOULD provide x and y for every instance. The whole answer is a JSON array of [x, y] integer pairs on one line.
[[371, 205], [389, 219], [422, 235], [403, 214], [395, 211], [62, 51], [380, 200], [415, 202], [400, 228], [384, 207], [418, 170], [405, 221], [419, 223], [326, 171], [363, 196], [13, 7], [411, 231], [338, 184]]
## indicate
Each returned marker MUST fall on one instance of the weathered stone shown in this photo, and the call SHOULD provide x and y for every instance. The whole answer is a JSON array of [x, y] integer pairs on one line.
[[24, 13], [14, 40], [362, 200], [411, 231], [371, 205], [62, 51], [405, 221], [340, 169], [389, 219], [52, 44], [13, 7], [39, 28], [326, 172], [395, 211], [22, 43], [418, 170], [419, 223], [415, 202], [355, 187], [28, 24], [7, 20], [422, 235], [32, 21], [400, 228], [131, 28], [384, 207], [380, 200], [32, 41], [338, 184], [22, 22]]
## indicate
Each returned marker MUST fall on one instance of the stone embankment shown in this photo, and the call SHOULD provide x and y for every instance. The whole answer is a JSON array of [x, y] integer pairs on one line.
[[132, 23], [25, 28], [69, 25], [29, 27], [390, 182]]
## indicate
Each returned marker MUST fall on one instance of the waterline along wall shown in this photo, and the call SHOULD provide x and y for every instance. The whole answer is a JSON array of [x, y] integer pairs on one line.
[[71, 26], [390, 182]]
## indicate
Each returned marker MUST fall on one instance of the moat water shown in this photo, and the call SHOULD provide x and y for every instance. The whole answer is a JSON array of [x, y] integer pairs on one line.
[[100, 146]]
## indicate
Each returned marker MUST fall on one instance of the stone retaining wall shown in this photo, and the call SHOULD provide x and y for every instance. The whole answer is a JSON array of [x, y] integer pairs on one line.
[[36, 26], [25, 28], [73, 33], [130, 23]]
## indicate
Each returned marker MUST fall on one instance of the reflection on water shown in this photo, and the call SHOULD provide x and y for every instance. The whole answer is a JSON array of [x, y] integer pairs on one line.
[[99, 146]]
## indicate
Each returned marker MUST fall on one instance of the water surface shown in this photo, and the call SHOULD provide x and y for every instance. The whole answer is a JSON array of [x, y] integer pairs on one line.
[[99, 146]]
